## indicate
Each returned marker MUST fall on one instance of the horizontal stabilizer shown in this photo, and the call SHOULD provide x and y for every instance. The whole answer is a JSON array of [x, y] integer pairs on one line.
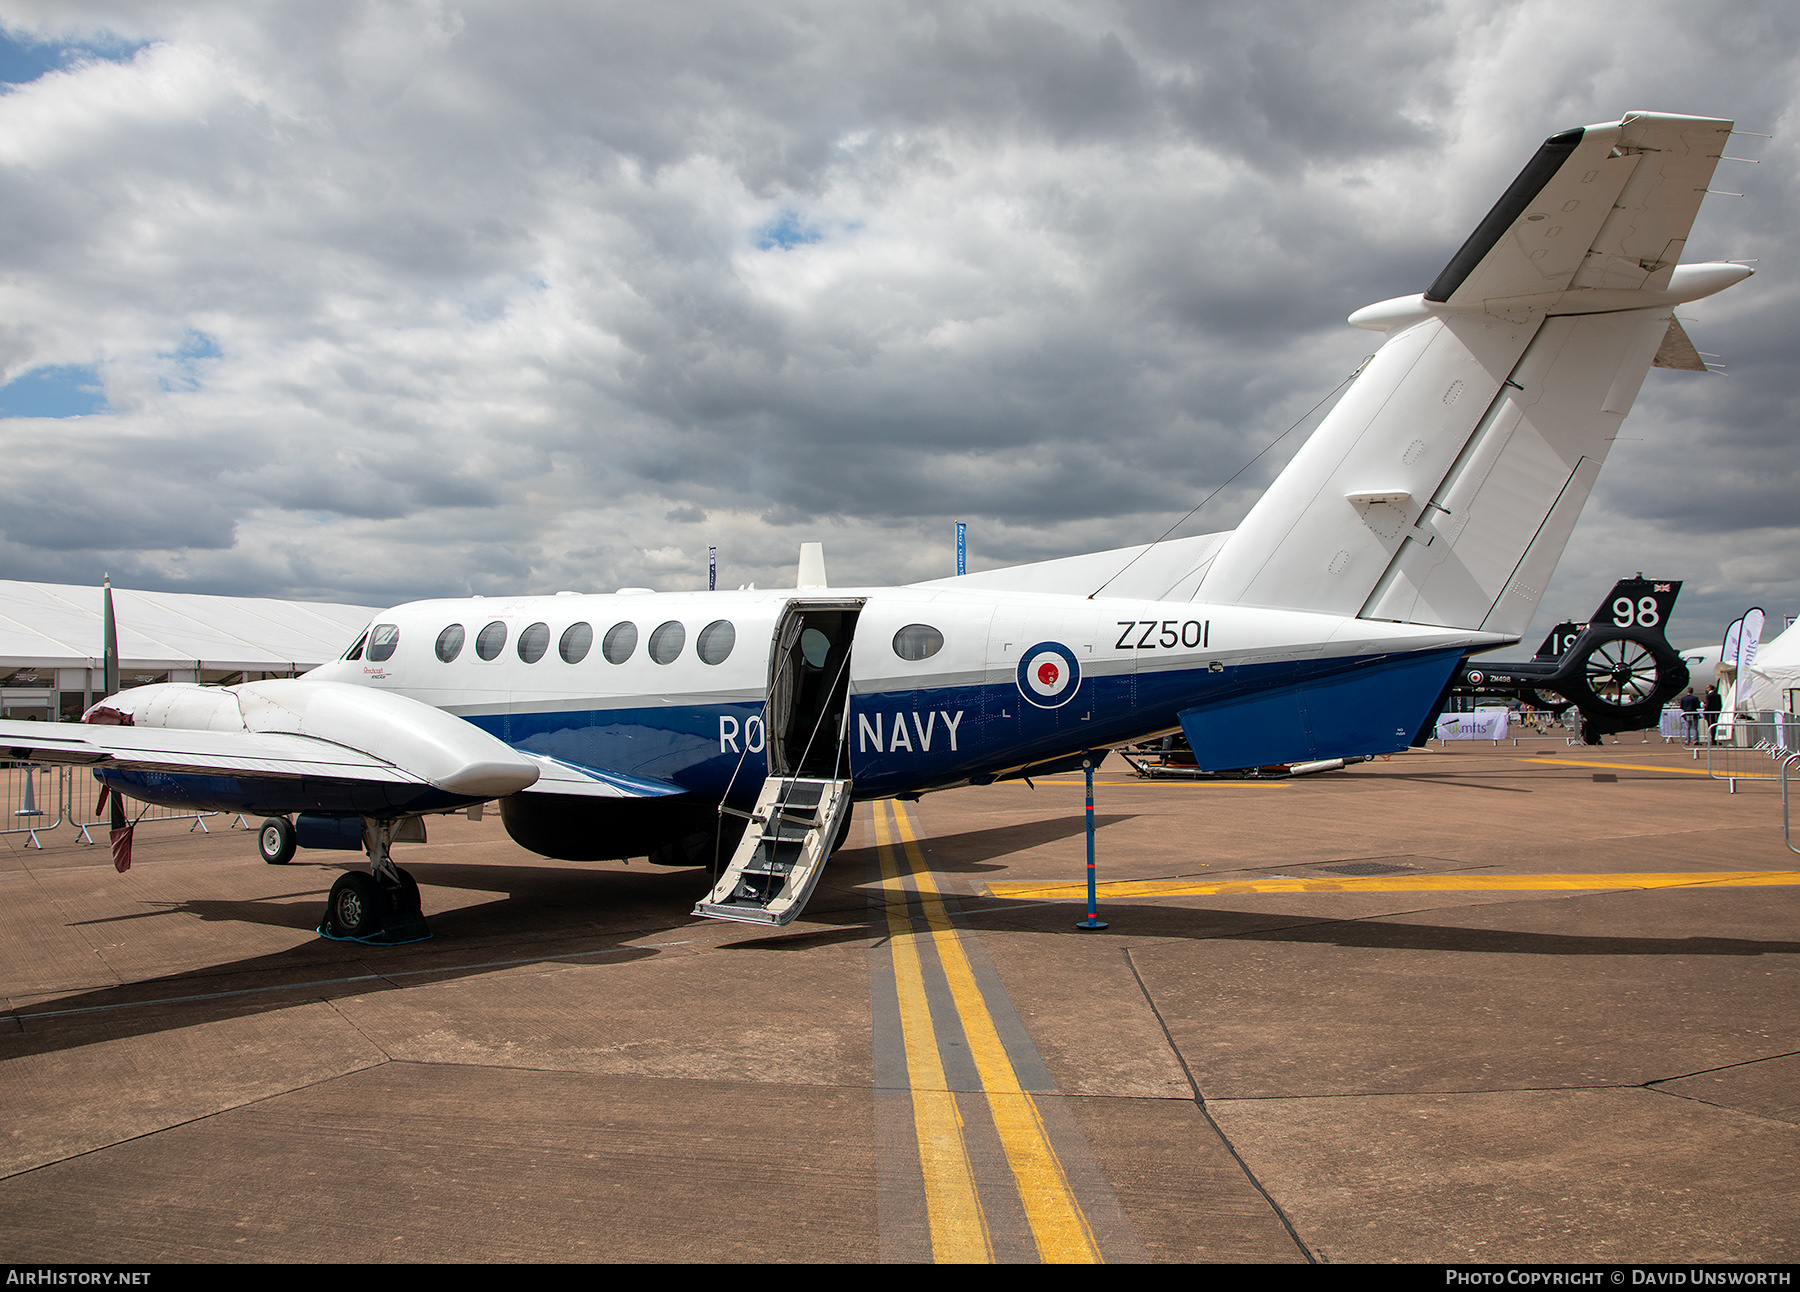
[[1605, 207]]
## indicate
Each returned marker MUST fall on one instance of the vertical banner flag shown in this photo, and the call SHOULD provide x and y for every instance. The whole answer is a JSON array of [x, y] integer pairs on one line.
[[962, 547], [712, 569], [1748, 640], [1728, 659]]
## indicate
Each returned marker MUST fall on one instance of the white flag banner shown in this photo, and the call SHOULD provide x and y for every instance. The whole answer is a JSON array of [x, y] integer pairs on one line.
[[1483, 724], [1748, 640], [1728, 659]]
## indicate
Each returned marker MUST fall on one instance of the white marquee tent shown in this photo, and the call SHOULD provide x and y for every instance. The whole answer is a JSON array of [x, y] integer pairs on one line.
[[50, 641], [1775, 676]]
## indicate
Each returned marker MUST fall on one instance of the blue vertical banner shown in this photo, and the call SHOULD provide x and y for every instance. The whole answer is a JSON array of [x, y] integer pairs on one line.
[[962, 547], [712, 569]]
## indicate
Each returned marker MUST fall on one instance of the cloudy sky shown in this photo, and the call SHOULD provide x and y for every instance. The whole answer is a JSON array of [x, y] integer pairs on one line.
[[371, 301]]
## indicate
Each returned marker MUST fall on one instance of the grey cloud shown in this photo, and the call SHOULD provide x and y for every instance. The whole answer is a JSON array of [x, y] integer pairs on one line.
[[491, 313]]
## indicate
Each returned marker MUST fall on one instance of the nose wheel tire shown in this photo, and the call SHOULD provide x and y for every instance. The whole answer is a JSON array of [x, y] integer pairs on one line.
[[275, 841]]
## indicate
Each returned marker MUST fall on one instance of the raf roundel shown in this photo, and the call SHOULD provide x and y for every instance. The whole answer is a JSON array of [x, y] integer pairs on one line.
[[1049, 675]]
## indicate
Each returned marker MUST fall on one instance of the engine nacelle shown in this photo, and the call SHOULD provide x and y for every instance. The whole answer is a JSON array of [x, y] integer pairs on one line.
[[437, 747]]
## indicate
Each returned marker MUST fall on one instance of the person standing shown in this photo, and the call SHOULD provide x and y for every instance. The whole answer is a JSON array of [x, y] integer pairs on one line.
[[1711, 705], [1690, 717]]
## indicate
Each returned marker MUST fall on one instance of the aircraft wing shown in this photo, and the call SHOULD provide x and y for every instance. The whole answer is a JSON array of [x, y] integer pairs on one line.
[[1600, 207], [180, 752], [279, 746]]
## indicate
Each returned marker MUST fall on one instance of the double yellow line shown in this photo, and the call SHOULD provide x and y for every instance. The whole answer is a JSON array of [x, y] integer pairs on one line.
[[958, 1220]]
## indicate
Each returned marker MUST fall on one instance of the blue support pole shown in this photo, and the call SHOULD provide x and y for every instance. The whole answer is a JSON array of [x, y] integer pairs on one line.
[[1093, 920]]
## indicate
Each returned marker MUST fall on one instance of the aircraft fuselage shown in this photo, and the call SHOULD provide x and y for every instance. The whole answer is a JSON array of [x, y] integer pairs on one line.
[[1019, 679]]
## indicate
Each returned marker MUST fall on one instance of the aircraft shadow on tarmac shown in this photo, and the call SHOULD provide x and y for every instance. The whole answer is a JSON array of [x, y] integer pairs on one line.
[[558, 913], [967, 852]]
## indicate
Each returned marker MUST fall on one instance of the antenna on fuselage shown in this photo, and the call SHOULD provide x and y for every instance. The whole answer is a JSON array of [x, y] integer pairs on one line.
[[812, 566]]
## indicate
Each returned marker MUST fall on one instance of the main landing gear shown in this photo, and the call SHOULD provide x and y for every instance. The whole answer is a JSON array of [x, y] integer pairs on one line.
[[380, 908]]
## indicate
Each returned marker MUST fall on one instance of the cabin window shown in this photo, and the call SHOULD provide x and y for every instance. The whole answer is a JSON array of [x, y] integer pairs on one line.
[[450, 643], [355, 652], [533, 642], [384, 639], [715, 641], [619, 642], [490, 639], [918, 641], [577, 641], [666, 642]]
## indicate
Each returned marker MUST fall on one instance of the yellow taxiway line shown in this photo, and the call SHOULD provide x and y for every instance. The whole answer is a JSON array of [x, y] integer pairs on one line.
[[1058, 1226], [1623, 767], [959, 1231], [1470, 883]]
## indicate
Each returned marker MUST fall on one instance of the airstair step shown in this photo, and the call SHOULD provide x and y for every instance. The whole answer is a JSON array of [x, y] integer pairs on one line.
[[778, 862]]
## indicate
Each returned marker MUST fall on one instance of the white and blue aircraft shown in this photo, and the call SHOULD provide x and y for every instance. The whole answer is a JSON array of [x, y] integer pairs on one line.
[[1418, 525]]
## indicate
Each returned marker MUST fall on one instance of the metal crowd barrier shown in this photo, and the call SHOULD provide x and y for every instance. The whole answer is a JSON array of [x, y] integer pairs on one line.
[[29, 795], [134, 810], [1787, 833], [36, 799], [1751, 751]]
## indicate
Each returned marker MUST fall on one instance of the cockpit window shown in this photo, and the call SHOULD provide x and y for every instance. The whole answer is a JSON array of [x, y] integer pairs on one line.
[[620, 641], [355, 652], [533, 642], [490, 639], [918, 641], [577, 641], [716, 641], [666, 642], [384, 639], [450, 643]]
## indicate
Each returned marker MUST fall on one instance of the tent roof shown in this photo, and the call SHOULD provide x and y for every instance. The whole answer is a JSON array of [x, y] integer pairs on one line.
[[55, 625], [1780, 659]]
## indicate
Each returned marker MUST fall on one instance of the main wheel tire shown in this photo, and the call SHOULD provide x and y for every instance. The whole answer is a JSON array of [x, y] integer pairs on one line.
[[356, 906], [275, 841]]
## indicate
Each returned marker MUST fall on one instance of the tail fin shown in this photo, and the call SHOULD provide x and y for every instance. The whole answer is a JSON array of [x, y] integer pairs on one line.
[[1443, 487], [1633, 603], [1639, 603], [1557, 644]]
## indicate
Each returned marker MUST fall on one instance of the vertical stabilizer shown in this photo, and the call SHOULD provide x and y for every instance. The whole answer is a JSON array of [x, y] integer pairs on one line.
[[1443, 487]]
